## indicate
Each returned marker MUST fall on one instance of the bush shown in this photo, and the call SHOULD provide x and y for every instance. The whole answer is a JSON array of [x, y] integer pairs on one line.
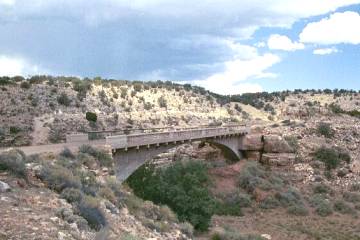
[[72, 195], [293, 142], [14, 129], [331, 157], [91, 117], [351, 197], [269, 203], [321, 188], [162, 102], [89, 209], [182, 186], [63, 99], [325, 130], [229, 234], [321, 204], [342, 207], [324, 209], [289, 198], [101, 156], [14, 162], [25, 85], [58, 178], [298, 210], [253, 176], [66, 152]]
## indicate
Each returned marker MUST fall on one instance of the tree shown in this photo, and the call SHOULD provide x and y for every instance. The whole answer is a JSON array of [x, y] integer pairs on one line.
[[91, 117]]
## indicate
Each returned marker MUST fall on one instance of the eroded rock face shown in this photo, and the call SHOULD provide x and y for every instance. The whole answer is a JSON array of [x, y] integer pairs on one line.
[[252, 155], [252, 142], [276, 144], [278, 159]]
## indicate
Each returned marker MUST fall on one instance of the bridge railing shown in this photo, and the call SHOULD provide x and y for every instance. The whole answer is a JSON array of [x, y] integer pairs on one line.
[[133, 140]]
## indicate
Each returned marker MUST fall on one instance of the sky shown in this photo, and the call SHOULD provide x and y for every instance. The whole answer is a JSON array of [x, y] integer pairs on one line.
[[226, 46]]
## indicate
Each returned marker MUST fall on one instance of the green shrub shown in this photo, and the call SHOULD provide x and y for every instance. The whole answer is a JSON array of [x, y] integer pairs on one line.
[[324, 209], [72, 195], [289, 198], [58, 178], [253, 176], [325, 130], [66, 152], [269, 203], [25, 85], [298, 210], [355, 187], [91, 117], [321, 188], [89, 209], [351, 197], [230, 234], [14, 129], [321, 204], [332, 157], [182, 186], [101, 156], [342, 207], [63, 99], [14, 162], [162, 102]]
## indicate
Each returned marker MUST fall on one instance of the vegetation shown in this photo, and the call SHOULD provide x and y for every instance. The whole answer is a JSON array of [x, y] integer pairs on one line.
[[101, 156], [332, 157], [182, 186], [89, 209], [91, 117], [14, 162], [325, 130], [63, 99]]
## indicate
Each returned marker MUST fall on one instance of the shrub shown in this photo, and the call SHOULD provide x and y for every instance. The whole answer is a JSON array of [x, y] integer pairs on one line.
[[321, 188], [252, 176], [351, 197], [91, 117], [14, 162], [89, 209], [63, 99], [293, 142], [298, 210], [321, 204], [324, 209], [290, 197], [101, 156], [182, 186], [25, 85], [107, 193], [58, 178], [162, 102], [269, 203], [230, 234], [72, 195], [325, 130], [355, 187], [66, 152], [14, 129], [331, 157], [342, 207]]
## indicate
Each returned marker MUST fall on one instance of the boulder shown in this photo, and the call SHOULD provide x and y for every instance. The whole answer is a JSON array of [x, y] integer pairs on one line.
[[276, 144], [4, 187], [251, 142], [252, 155], [278, 159]]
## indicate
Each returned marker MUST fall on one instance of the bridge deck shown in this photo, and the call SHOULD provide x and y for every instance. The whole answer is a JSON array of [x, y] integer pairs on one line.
[[144, 139]]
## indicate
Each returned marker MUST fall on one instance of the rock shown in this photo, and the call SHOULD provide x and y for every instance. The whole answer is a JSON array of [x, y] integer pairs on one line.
[[276, 144], [278, 159], [251, 142], [4, 187], [266, 236], [355, 166], [252, 155]]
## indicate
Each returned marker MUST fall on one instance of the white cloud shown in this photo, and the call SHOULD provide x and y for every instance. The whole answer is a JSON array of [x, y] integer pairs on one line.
[[10, 66], [280, 42], [325, 51], [338, 28], [7, 2], [231, 80]]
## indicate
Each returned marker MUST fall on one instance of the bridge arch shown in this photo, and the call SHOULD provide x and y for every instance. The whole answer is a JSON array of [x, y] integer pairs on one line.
[[129, 160]]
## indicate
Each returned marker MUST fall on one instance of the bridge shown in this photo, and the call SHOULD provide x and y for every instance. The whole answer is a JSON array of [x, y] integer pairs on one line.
[[131, 150]]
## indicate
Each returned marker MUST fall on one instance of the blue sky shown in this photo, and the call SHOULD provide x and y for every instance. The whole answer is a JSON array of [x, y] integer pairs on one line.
[[226, 46]]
